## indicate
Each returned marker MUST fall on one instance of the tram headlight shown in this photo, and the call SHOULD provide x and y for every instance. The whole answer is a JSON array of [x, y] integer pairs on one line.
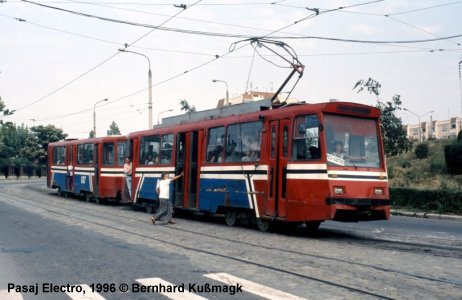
[[378, 191], [339, 190]]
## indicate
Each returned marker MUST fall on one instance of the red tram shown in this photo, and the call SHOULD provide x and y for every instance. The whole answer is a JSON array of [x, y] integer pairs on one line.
[[92, 168], [299, 163]]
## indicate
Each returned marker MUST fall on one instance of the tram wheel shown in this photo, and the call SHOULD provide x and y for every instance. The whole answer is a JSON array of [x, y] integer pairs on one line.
[[263, 224], [88, 197], [312, 226], [149, 209], [230, 218]]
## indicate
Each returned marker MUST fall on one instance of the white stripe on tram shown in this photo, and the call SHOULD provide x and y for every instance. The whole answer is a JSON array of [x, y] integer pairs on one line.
[[112, 175], [155, 169], [5, 295], [156, 282], [234, 168], [86, 294], [306, 166], [252, 287]]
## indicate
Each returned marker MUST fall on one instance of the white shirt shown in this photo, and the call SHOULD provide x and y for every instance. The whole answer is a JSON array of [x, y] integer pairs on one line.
[[164, 188]]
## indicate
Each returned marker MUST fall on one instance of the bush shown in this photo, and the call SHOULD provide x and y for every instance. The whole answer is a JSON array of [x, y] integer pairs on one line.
[[453, 157], [459, 136], [441, 201], [421, 151]]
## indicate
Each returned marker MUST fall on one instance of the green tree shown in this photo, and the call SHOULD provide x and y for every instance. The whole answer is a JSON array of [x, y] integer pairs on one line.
[[91, 134], [394, 135], [113, 129], [4, 111], [43, 136], [186, 107]]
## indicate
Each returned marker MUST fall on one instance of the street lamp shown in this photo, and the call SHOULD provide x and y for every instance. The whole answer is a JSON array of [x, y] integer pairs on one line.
[[418, 117], [94, 115], [158, 116], [227, 93], [149, 84]]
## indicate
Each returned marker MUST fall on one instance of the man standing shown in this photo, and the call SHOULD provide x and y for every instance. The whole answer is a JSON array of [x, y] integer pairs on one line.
[[128, 175], [164, 213]]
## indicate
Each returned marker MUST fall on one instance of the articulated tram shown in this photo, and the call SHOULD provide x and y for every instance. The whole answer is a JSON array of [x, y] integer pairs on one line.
[[300, 163], [92, 168]]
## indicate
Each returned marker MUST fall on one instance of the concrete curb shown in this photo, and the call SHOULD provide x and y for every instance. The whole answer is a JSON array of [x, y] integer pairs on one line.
[[424, 215]]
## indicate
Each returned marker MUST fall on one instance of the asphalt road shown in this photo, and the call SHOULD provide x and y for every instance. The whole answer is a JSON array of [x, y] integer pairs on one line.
[[48, 239]]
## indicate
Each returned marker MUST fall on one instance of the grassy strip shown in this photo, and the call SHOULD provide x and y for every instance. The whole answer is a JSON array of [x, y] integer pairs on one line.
[[440, 201]]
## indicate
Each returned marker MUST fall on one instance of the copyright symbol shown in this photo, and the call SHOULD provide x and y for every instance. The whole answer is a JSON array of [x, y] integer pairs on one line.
[[123, 287]]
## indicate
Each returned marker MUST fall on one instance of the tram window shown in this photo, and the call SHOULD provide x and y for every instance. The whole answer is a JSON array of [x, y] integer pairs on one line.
[[166, 149], [285, 141], [305, 145], [352, 141], [273, 142], [233, 144], [243, 142], [58, 155], [215, 145], [108, 154], [121, 148], [85, 153], [149, 150]]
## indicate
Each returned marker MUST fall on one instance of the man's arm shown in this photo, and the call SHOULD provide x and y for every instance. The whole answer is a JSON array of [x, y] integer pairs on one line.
[[176, 177]]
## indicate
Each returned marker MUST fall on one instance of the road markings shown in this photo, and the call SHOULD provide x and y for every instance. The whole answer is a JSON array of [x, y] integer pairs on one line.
[[5, 295], [86, 295], [174, 295], [252, 287]]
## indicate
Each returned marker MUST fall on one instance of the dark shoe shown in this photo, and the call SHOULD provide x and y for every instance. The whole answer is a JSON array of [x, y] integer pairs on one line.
[[153, 220]]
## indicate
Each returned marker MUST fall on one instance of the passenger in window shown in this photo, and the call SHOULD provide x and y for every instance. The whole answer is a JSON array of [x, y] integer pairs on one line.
[[216, 155], [232, 155], [340, 153], [250, 155], [165, 159], [250, 141], [149, 160]]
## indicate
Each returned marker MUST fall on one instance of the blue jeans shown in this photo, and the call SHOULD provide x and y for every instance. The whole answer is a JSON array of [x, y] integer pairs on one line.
[[128, 180]]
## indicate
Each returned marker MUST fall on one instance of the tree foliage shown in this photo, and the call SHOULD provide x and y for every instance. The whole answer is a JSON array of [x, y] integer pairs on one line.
[[186, 107], [421, 151], [43, 135], [20, 144], [91, 134], [4, 111], [394, 135], [113, 129]]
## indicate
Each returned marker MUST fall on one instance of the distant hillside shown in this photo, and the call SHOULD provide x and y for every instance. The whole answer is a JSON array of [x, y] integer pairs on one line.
[[406, 170]]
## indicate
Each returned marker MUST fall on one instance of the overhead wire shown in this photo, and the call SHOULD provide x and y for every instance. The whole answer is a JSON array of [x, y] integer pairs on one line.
[[100, 63], [242, 36]]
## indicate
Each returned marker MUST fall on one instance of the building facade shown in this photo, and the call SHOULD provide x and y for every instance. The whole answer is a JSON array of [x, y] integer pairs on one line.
[[445, 129]]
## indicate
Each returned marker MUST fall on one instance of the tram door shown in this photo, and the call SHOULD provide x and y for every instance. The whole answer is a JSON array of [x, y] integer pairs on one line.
[[187, 153], [279, 155], [70, 167], [180, 167], [96, 160]]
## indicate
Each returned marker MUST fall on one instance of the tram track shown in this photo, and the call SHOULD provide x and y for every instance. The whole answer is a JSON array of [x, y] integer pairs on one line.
[[89, 212], [402, 246], [203, 251]]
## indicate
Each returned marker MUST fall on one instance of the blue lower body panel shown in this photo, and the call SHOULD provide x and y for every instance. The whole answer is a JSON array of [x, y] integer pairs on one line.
[[223, 192]]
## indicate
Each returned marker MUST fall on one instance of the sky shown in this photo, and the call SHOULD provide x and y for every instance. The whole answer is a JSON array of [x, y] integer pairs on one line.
[[54, 65]]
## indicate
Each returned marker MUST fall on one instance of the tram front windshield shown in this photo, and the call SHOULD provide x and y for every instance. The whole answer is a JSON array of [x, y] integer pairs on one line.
[[352, 141]]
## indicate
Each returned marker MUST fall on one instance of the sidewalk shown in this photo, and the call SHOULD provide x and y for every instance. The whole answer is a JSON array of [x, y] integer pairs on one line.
[[405, 213]]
